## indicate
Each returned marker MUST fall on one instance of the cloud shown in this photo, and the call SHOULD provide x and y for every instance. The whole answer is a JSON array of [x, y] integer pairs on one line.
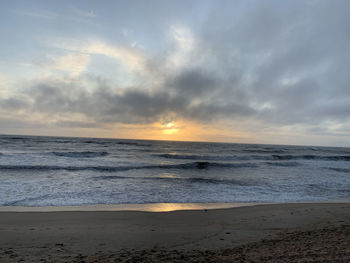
[[3, 84], [72, 63], [40, 14], [184, 96], [72, 15], [184, 44], [84, 13], [270, 65], [130, 57]]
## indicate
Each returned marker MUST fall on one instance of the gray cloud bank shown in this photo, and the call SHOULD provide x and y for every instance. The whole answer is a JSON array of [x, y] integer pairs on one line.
[[277, 62]]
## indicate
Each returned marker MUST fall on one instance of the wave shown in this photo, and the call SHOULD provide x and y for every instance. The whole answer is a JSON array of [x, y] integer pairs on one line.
[[217, 181], [17, 138], [24, 201], [253, 157], [112, 142], [178, 179], [99, 142], [284, 164], [341, 170], [192, 165], [86, 154], [60, 141], [264, 151], [134, 144], [192, 157], [213, 157], [312, 157]]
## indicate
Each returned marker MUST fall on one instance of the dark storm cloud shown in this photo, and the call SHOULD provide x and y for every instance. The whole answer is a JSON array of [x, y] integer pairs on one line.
[[295, 52], [11, 123], [77, 124], [280, 62], [194, 82], [13, 104], [189, 95]]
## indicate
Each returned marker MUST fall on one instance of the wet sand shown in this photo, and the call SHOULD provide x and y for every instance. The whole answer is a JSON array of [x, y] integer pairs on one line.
[[313, 232]]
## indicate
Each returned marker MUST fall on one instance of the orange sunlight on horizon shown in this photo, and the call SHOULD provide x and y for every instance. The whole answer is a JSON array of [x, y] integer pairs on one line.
[[170, 128], [178, 130]]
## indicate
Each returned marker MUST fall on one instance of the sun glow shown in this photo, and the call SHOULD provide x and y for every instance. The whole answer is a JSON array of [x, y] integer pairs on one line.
[[170, 128], [170, 125], [181, 130]]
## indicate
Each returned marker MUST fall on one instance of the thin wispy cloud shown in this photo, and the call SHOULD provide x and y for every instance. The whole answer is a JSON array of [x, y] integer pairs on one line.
[[36, 14], [72, 63], [73, 15], [128, 56], [85, 13]]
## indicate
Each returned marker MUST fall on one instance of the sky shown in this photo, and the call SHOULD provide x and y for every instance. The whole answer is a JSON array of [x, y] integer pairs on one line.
[[247, 71]]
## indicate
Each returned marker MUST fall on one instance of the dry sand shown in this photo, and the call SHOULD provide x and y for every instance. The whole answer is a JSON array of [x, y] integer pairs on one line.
[[312, 232]]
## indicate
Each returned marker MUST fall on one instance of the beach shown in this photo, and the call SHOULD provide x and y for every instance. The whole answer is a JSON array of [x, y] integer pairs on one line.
[[113, 200], [294, 232], [174, 131]]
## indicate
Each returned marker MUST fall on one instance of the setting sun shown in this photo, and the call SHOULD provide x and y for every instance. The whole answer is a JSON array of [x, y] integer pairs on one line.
[[170, 128], [170, 125]]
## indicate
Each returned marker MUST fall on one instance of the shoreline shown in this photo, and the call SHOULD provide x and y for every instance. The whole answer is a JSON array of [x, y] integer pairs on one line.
[[149, 207], [156, 207]]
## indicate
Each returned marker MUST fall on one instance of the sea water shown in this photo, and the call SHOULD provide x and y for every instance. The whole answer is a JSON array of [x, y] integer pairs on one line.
[[59, 171]]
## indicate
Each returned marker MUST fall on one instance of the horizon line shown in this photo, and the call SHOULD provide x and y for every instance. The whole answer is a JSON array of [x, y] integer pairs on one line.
[[160, 140]]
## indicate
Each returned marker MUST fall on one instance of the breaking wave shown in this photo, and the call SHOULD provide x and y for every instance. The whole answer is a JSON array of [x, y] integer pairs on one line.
[[253, 157], [340, 170], [87, 154], [192, 165], [178, 179], [134, 144], [312, 157], [285, 164], [212, 157]]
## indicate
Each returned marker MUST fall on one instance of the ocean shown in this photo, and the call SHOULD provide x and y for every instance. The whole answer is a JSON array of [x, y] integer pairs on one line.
[[61, 171]]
